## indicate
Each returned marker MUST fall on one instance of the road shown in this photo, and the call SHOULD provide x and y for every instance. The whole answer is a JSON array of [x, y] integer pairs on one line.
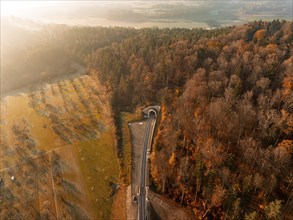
[[143, 188]]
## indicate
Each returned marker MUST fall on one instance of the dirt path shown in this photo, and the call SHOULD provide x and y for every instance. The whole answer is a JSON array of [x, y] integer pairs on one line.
[[119, 204], [131, 206]]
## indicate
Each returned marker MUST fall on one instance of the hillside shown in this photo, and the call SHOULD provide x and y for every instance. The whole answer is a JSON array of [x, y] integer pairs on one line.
[[57, 152], [224, 145], [34, 53], [223, 148]]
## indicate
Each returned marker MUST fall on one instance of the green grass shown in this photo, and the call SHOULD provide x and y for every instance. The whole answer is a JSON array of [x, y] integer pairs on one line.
[[125, 118], [99, 167], [75, 107]]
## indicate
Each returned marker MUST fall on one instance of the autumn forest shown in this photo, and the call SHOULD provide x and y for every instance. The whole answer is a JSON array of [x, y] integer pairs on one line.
[[223, 145]]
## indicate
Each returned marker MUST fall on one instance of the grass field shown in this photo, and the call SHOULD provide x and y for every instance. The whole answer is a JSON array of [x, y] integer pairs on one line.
[[125, 118], [57, 153]]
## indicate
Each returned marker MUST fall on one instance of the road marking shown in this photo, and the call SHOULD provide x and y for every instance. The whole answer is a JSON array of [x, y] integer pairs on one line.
[[146, 145]]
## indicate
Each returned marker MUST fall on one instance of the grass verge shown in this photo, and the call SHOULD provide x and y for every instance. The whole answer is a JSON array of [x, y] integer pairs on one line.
[[125, 118]]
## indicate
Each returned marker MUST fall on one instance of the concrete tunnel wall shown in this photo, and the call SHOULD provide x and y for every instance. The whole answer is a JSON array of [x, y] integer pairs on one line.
[[152, 112]]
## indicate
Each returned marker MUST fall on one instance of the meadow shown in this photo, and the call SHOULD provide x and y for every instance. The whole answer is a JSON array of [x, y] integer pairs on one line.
[[58, 156]]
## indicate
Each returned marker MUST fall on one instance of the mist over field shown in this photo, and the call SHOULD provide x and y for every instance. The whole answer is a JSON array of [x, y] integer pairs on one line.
[[190, 14]]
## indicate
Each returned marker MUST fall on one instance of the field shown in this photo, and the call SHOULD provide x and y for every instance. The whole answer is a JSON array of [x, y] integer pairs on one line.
[[57, 153], [120, 200]]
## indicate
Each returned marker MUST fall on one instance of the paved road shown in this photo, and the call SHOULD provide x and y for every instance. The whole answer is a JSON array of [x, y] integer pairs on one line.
[[146, 146]]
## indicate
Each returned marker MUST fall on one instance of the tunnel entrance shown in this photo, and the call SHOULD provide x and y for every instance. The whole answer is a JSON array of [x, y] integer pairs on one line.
[[152, 113]]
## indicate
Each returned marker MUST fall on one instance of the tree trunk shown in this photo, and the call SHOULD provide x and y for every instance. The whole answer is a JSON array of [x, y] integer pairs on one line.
[[182, 196]]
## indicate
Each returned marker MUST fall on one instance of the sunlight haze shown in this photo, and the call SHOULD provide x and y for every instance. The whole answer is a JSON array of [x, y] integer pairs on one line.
[[148, 13], [146, 110]]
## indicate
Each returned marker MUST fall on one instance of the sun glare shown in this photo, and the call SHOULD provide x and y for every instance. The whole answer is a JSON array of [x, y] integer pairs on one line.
[[28, 9]]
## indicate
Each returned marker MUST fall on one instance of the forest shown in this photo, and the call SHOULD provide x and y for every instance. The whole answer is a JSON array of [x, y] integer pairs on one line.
[[224, 144], [223, 148]]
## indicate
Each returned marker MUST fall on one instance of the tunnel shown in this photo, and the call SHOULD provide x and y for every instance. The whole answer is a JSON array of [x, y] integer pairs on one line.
[[152, 113]]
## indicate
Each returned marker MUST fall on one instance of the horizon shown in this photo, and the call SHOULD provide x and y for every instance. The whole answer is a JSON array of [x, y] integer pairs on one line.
[[140, 14]]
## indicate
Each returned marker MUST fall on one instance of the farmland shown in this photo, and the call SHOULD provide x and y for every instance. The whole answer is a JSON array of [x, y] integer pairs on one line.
[[57, 154]]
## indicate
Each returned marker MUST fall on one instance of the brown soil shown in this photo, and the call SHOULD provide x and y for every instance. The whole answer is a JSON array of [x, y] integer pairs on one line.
[[119, 204]]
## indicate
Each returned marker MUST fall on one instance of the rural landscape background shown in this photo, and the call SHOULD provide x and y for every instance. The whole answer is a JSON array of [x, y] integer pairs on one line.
[[75, 75]]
